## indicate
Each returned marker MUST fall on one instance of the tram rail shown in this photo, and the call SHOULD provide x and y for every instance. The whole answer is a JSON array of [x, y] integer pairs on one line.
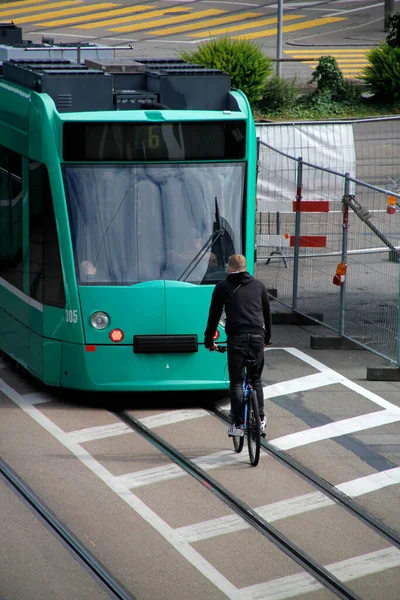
[[100, 574], [328, 489], [241, 508]]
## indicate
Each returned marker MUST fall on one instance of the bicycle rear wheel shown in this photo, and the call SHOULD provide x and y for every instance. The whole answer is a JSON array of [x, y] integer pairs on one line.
[[238, 443], [253, 429]]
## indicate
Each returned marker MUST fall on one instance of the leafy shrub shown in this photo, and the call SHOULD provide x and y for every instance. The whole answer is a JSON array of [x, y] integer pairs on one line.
[[329, 78], [279, 95], [352, 91], [382, 75], [245, 62]]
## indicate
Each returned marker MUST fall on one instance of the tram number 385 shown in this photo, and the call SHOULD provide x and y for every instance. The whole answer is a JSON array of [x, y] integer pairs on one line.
[[71, 316]]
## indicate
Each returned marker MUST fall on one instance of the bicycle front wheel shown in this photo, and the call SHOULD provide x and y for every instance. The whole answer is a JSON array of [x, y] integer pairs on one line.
[[253, 429]]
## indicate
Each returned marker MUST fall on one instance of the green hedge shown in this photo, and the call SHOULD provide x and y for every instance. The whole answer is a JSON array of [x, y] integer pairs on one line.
[[382, 75], [245, 62]]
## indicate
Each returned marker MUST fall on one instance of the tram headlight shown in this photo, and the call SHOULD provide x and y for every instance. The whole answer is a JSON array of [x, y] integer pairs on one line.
[[99, 320]]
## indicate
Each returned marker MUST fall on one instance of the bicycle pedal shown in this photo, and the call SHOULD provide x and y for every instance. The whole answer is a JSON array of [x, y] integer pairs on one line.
[[263, 434]]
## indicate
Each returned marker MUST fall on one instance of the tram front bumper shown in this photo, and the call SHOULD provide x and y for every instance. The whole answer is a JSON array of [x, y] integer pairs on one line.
[[118, 368]]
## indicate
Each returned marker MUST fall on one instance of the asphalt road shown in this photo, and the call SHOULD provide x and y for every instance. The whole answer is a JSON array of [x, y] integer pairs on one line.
[[164, 535], [163, 28]]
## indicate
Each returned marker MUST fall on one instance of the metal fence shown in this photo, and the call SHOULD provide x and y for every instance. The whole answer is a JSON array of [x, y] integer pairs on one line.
[[347, 223]]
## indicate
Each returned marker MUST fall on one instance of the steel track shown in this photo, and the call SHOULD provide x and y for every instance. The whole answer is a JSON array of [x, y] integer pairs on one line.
[[99, 573], [242, 509], [328, 489]]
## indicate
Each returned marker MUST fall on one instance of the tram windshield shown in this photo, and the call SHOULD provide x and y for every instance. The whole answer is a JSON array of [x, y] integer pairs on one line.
[[143, 222]]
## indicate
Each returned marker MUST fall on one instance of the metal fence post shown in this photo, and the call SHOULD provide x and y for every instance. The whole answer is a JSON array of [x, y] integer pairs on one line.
[[398, 324], [297, 232], [345, 232], [279, 39]]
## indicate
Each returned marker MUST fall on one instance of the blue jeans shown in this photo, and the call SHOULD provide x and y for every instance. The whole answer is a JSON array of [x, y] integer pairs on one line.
[[240, 348]]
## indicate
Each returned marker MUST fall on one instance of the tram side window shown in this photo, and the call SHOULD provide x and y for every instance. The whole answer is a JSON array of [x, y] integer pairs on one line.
[[11, 217], [46, 281]]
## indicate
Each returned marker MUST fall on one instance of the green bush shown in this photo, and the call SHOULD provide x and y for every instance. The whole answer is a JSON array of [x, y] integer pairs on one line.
[[382, 75], [329, 78], [352, 91], [279, 95], [245, 62]]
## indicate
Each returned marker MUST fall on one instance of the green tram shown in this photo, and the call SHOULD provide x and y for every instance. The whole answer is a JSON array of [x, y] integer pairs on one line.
[[124, 187]]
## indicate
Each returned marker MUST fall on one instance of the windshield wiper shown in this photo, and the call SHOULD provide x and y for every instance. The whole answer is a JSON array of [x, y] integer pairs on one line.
[[201, 253], [217, 233]]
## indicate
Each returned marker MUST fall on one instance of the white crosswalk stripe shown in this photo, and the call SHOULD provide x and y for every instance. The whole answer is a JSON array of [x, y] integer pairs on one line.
[[290, 507]]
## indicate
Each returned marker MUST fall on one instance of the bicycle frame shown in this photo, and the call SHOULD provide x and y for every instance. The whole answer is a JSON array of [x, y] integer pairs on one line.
[[246, 389], [252, 429]]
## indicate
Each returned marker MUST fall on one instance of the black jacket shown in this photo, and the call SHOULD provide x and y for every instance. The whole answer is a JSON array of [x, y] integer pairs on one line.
[[246, 307]]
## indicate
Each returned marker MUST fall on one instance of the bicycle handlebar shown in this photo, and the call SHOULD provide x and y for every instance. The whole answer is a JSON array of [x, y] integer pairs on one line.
[[221, 349]]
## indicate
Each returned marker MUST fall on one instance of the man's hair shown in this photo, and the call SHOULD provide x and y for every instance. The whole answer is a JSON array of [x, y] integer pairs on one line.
[[237, 262]]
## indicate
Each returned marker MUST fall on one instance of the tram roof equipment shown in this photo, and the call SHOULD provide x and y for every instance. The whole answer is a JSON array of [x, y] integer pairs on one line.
[[104, 82]]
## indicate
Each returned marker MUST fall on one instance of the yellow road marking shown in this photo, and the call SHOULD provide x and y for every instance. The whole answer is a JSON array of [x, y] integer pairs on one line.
[[251, 25], [220, 21], [350, 61], [344, 58], [330, 50], [152, 13], [288, 28], [67, 11], [99, 15], [21, 11], [22, 3], [170, 20]]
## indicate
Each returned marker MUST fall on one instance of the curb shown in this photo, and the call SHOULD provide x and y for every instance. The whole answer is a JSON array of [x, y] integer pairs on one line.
[[383, 373], [333, 342], [290, 318]]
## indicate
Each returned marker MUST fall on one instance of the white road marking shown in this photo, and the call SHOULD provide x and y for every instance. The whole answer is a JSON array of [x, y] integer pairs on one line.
[[173, 416], [89, 434], [215, 2], [291, 507], [166, 472], [269, 512], [301, 384], [303, 583], [370, 483], [341, 379], [350, 10], [223, 2], [336, 429], [296, 5], [369, 395], [113, 39], [279, 589], [36, 398], [167, 532]]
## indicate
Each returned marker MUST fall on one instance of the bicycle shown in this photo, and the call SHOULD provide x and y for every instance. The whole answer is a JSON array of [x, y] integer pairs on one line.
[[251, 419]]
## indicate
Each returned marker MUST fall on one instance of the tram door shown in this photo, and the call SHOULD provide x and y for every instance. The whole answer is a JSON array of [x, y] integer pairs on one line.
[[46, 287], [14, 306]]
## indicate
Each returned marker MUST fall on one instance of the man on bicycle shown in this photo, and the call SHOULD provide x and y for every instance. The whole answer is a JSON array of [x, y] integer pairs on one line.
[[248, 329]]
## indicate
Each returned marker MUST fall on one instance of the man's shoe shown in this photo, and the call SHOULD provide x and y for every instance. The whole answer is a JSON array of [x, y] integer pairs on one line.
[[263, 423], [236, 431]]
